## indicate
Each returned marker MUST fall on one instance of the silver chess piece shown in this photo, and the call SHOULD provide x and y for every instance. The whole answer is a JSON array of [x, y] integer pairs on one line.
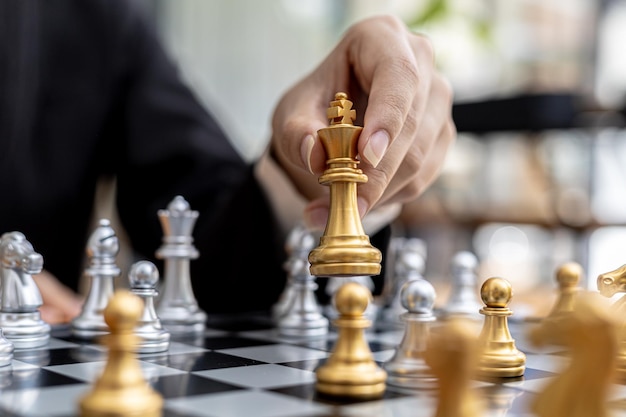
[[407, 367], [295, 239], [301, 314], [143, 278], [102, 249], [177, 308], [6, 350], [409, 263], [20, 297], [464, 293]]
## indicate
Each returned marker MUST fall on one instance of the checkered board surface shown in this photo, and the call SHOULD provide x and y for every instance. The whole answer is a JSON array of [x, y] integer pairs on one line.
[[246, 369]]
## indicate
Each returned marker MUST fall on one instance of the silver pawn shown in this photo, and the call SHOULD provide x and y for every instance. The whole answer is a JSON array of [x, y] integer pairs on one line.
[[409, 264], [464, 294], [302, 315], [177, 307], [102, 249], [297, 241], [407, 367], [143, 278], [20, 297]]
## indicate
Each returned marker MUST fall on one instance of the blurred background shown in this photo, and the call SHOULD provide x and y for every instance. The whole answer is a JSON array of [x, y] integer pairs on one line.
[[538, 174]]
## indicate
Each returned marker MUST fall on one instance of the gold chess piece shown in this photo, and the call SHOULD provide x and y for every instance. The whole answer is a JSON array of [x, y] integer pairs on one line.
[[121, 390], [344, 248], [498, 357], [567, 276], [589, 335], [351, 371], [609, 284], [451, 354]]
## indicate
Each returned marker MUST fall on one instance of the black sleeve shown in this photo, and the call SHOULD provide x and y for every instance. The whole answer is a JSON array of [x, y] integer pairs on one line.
[[171, 146], [109, 102]]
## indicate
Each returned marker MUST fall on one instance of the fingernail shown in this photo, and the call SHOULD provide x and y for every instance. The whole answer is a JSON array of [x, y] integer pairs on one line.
[[306, 150], [376, 147], [316, 219]]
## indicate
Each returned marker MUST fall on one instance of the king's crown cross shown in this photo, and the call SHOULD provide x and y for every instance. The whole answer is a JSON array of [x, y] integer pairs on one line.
[[340, 110]]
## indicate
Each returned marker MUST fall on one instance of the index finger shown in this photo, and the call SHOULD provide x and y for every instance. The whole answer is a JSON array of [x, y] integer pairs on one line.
[[398, 83]]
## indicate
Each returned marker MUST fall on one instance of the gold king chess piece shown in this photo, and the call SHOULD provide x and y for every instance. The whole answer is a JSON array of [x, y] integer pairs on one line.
[[344, 249]]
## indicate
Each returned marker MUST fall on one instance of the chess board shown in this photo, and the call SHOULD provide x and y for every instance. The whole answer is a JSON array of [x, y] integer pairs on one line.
[[243, 367]]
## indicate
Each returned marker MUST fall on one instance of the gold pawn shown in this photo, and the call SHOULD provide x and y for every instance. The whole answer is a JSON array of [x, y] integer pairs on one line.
[[121, 390], [344, 248], [451, 355], [567, 276], [351, 371], [499, 357]]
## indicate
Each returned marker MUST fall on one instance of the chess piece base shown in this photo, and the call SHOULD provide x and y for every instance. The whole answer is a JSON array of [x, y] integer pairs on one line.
[[89, 329], [304, 326], [411, 383], [6, 351], [130, 403], [363, 381], [179, 322], [25, 330], [411, 374], [345, 269], [498, 366], [153, 342], [345, 256]]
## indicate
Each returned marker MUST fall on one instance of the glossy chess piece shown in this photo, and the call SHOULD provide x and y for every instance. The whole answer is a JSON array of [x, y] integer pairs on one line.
[[20, 298], [409, 264], [102, 249], [498, 355], [451, 355], [407, 367], [301, 316], [144, 277], [463, 299], [344, 248], [609, 284], [6, 351], [178, 308], [298, 240], [589, 335], [568, 277], [122, 390], [351, 371]]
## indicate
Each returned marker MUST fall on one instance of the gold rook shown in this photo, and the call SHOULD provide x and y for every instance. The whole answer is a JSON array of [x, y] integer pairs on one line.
[[344, 249]]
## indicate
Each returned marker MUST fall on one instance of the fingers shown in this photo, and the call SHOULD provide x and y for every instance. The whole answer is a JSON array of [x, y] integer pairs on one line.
[[53, 315], [405, 106], [399, 83], [416, 156], [60, 304], [299, 115], [408, 106]]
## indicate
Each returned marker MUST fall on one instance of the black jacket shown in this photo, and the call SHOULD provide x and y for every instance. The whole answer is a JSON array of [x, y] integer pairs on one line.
[[86, 92]]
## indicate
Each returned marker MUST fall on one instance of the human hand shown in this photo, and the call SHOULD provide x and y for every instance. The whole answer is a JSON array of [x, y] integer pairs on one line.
[[60, 304], [389, 74]]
